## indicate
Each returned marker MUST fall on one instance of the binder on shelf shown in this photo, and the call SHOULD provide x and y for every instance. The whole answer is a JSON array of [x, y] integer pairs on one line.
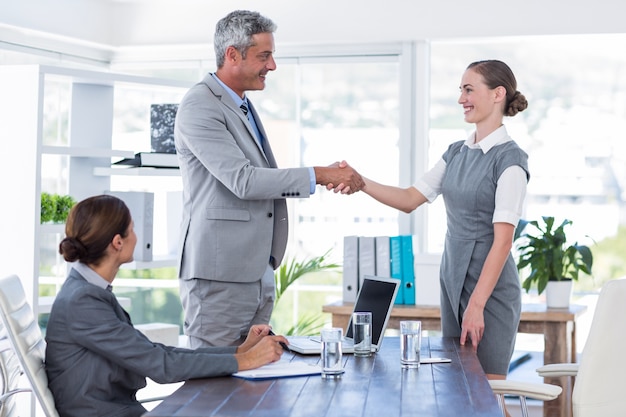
[[151, 159], [408, 270], [395, 250], [350, 285], [141, 206], [367, 257], [383, 257]]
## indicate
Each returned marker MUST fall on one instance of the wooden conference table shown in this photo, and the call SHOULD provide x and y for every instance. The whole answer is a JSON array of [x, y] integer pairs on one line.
[[374, 386], [558, 327]]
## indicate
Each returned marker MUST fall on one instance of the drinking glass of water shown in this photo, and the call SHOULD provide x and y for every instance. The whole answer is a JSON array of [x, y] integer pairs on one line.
[[331, 360], [362, 333], [410, 343]]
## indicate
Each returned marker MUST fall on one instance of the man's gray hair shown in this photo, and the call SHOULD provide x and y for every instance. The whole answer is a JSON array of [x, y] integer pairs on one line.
[[236, 29]]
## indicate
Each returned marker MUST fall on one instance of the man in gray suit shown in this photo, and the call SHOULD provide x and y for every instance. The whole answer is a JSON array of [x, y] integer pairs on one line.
[[234, 226]]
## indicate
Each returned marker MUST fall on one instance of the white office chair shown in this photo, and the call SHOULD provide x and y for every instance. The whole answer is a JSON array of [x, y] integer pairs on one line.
[[599, 385], [523, 390], [27, 343]]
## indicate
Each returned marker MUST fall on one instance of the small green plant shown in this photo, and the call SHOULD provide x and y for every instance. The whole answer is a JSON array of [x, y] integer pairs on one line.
[[288, 273], [545, 251], [48, 208], [55, 208], [63, 206]]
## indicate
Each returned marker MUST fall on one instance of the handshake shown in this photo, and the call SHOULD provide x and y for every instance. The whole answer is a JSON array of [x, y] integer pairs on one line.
[[339, 177]]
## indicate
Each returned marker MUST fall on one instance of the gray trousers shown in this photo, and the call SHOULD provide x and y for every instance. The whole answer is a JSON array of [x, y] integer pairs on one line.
[[219, 313]]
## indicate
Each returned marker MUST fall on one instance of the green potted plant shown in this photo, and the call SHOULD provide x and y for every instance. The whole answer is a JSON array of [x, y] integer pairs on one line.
[[63, 205], [55, 208], [48, 207], [551, 261], [289, 272]]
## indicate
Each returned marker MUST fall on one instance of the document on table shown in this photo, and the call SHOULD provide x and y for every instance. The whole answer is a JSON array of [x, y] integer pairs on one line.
[[280, 369]]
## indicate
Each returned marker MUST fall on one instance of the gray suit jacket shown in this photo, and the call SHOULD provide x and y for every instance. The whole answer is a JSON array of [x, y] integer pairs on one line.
[[96, 360], [234, 208]]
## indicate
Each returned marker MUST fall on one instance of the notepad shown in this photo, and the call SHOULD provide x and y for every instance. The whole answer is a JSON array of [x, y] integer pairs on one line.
[[280, 369]]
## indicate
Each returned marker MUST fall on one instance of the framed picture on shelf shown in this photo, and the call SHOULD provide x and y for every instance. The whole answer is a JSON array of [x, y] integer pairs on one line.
[[162, 118]]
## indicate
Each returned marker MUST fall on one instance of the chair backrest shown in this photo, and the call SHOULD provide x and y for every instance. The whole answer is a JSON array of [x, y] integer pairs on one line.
[[599, 385], [26, 339], [10, 376]]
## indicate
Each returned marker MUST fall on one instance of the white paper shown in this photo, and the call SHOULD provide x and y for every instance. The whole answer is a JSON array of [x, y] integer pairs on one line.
[[280, 369]]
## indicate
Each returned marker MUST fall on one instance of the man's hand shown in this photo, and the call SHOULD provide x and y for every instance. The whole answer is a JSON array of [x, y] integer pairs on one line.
[[339, 176]]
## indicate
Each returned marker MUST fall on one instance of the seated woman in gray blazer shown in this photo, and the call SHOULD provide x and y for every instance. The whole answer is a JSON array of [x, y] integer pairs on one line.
[[95, 359]]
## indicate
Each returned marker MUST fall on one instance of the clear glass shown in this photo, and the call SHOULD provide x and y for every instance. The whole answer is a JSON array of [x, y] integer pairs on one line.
[[331, 355], [410, 343], [362, 333]]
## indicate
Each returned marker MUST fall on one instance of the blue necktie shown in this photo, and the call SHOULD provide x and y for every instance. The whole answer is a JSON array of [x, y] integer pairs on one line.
[[244, 109]]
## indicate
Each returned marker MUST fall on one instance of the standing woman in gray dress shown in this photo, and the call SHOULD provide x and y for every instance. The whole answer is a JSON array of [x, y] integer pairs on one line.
[[483, 183]]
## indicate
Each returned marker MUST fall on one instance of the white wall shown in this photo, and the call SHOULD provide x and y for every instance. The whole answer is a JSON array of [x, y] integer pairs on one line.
[[133, 23]]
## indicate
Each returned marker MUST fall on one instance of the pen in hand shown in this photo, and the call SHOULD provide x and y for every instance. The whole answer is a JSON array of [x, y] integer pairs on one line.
[[282, 344]]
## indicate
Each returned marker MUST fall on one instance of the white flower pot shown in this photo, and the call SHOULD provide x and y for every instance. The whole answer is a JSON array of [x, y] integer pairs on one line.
[[558, 294]]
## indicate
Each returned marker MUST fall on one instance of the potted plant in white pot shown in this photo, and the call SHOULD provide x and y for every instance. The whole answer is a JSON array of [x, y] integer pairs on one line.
[[552, 262]]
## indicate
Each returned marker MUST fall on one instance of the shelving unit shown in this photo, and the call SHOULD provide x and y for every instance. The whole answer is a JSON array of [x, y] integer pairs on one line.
[[89, 151], [136, 172]]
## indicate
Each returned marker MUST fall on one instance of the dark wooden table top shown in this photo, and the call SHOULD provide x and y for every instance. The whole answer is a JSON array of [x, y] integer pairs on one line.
[[375, 386]]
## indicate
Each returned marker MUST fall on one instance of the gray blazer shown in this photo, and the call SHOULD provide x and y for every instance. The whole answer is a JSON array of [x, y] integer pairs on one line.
[[96, 360], [234, 209]]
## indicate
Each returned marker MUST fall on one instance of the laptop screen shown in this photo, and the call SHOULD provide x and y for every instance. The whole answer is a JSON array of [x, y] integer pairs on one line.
[[376, 295]]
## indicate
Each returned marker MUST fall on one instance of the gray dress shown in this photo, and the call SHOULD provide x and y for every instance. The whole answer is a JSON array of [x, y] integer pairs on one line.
[[468, 189]]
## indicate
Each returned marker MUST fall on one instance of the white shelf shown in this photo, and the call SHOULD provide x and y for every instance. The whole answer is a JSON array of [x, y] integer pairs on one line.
[[53, 228], [163, 261], [136, 171], [85, 168], [86, 152], [110, 78]]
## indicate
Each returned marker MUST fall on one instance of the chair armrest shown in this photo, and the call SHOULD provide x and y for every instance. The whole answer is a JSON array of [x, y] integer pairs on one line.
[[558, 369], [537, 391], [7, 394]]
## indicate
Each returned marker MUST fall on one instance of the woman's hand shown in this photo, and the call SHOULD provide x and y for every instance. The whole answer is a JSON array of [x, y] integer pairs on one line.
[[256, 333], [473, 325], [259, 348]]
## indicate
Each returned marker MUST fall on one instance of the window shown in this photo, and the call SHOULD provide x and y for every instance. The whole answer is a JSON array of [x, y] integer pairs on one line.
[[317, 113]]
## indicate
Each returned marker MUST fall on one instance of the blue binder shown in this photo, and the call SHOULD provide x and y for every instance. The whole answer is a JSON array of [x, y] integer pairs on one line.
[[408, 271]]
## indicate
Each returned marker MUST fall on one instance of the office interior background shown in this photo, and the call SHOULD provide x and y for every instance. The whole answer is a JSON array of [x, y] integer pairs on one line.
[[374, 83]]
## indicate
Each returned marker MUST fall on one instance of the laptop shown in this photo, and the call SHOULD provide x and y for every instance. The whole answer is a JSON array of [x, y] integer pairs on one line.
[[377, 295]]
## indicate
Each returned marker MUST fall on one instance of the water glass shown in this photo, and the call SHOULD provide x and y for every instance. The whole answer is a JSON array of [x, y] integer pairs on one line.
[[331, 360], [362, 333], [410, 343]]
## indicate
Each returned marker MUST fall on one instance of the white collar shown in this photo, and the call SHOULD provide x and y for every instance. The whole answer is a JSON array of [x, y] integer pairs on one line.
[[90, 275], [497, 137]]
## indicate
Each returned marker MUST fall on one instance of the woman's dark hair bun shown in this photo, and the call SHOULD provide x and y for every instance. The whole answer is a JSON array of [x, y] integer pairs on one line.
[[517, 104], [72, 249]]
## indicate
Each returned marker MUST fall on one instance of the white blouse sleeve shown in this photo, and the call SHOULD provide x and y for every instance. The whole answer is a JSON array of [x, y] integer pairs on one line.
[[430, 184], [510, 195]]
